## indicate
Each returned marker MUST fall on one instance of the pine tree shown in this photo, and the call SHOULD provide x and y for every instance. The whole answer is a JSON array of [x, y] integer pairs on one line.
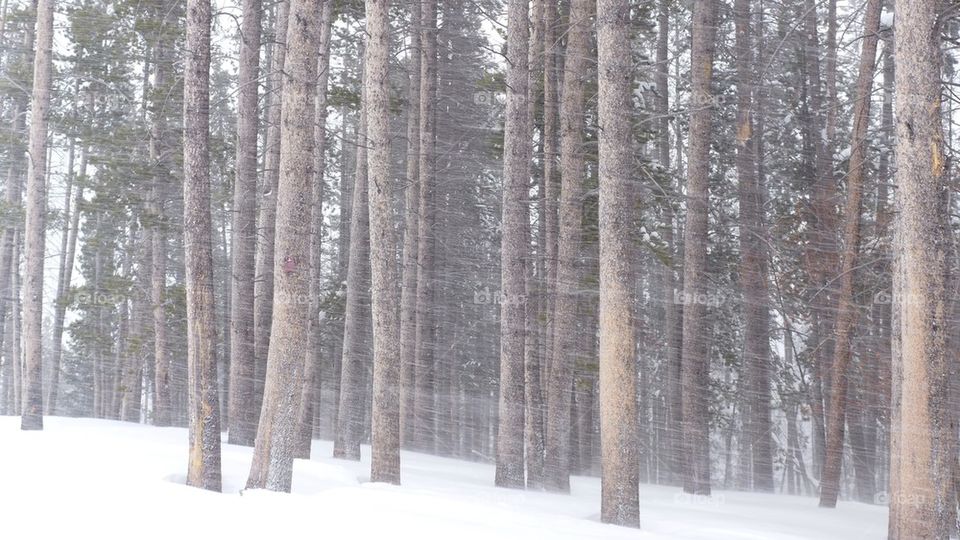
[[514, 248], [559, 385], [277, 430], [34, 230], [424, 409], [267, 215], [241, 424], [310, 400], [158, 238], [356, 325], [385, 431], [695, 364], [620, 498], [408, 292], [836, 413], [203, 469], [924, 457], [753, 265]]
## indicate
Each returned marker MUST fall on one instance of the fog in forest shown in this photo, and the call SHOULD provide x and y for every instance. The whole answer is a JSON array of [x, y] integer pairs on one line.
[[479, 269]]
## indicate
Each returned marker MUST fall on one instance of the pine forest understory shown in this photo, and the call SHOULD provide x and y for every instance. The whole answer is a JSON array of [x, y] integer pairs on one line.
[[481, 268]]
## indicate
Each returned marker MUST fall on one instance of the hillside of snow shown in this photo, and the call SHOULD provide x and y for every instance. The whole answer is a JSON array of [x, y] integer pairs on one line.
[[83, 478]]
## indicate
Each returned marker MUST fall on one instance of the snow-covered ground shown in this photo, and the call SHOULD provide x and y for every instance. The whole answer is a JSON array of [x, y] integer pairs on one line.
[[83, 478]]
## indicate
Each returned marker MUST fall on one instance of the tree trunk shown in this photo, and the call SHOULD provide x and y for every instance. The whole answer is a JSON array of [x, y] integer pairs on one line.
[[897, 275], [695, 364], [424, 410], [846, 310], [275, 446], [158, 259], [16, 326], [514, 250], [385, 429], [408, 293], [823, 244], [557, 467], [551, 180], [926, 447], [137, 337], [266, 228], [309, 403], [32, 409], [203, 469], [356, 324], [620, 501], [536, 278], [241, 409], [673, 316], [753, 267], [331, 403]]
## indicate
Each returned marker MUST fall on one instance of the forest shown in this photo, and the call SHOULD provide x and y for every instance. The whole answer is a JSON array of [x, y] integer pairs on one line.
[[484, 268]]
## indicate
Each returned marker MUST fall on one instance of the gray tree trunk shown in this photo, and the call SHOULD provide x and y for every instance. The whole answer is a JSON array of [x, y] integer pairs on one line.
[[514, 251], [559, 384], [276, 442], [536, 280], [158, 241], [551, 180], [619, 446], [32, 409], [266, 227], [242, 414], [356, 325], [203, 469], [309, 403], [408, 293], [385, 420]]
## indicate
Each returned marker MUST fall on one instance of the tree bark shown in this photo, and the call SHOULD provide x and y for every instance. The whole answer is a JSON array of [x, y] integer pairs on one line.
[[158, 241], [356, 326], [242, 414], [32, 409], [514, 250], [385, 429], [203, 469], [275, 446], [551, 180], [557, 466], [536, 276], [309, 403], [620, 500], [266, 228], [926, 449], [408, 293]]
